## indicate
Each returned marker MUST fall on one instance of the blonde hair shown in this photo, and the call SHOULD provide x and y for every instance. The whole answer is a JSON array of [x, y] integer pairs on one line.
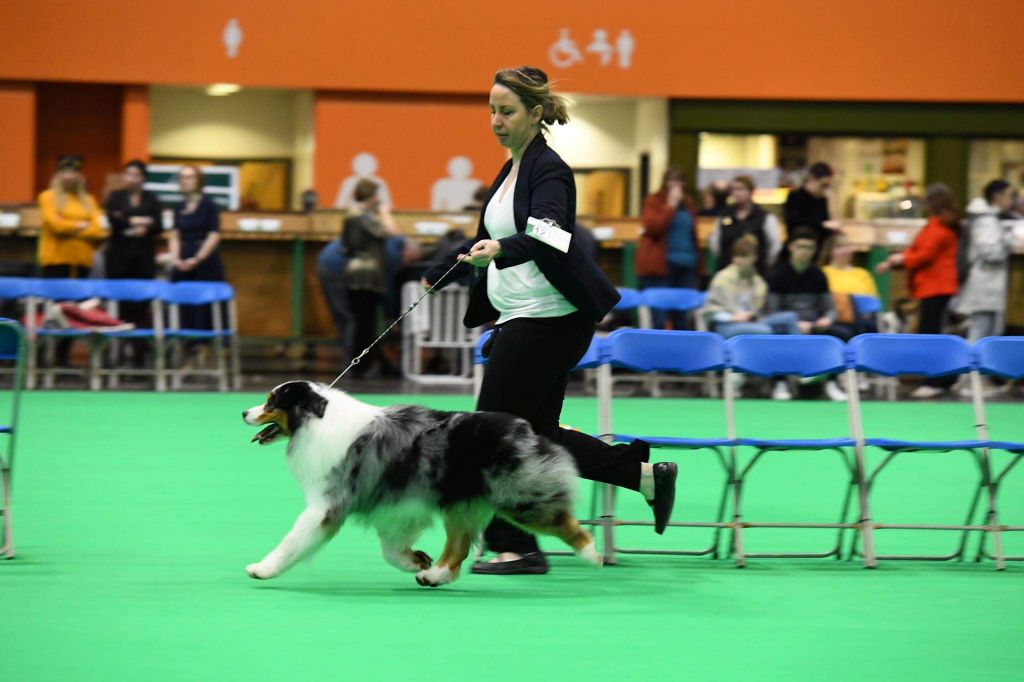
[[746, 246], [533, 88], [61, 195]]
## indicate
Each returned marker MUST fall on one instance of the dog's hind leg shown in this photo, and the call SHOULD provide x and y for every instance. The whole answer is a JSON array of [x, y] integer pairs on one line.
[[314, 527], [561, 524]]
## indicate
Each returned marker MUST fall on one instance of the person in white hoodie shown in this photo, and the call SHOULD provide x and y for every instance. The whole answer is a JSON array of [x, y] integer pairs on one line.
[[983, 293]]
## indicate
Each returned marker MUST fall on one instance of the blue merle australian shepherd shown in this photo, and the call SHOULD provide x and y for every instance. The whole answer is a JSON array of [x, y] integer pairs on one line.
[[396, 468]]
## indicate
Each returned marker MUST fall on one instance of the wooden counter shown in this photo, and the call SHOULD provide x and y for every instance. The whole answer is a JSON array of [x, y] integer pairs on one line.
[[270, 258]]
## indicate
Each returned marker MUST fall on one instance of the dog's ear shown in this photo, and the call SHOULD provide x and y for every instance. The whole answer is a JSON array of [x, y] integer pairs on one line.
[[316, 403]]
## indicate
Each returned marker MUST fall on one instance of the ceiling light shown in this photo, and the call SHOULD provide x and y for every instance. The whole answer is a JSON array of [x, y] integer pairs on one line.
[[222, 89]]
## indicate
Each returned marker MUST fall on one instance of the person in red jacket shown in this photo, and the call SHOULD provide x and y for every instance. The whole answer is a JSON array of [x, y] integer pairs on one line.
[[667, 254], [931, 263]]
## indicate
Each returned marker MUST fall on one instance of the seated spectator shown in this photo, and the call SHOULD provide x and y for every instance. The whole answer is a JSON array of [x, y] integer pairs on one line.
[[737, 296], [736, 300], [931, 262], [846, 280], [799, 286], [742, 217]]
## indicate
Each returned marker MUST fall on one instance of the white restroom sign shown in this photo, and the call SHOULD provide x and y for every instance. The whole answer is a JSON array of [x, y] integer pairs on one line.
[[602, 46]]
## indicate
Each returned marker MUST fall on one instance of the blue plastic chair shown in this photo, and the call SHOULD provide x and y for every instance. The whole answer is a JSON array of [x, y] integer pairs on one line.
[[631, 299], [783, 355], [679, 353], [658, 301], [12, 349], [49, 293], [114, 292], [865, 305], [590, 360], [929, 355], [224, 334], [998, 356], [15, 288]]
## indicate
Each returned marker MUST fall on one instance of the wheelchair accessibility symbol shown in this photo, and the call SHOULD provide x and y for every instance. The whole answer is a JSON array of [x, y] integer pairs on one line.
[[564, 52]]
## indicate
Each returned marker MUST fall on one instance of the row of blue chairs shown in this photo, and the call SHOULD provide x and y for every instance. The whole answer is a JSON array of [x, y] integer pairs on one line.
[[691, 301], [891, 355], [12, 349], [166, 337]]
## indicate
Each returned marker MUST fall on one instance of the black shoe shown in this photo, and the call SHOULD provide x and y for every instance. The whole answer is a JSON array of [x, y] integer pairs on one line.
[[532, 563], [664, 494]]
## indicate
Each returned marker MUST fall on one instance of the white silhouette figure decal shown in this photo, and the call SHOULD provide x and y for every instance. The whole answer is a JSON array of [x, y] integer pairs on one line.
[[625, 46], [564, 52], [601, 46], [454, 192], [364, 165], [232, 38]]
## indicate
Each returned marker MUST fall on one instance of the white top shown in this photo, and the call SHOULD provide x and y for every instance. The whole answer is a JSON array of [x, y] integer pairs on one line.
[[521, 290]]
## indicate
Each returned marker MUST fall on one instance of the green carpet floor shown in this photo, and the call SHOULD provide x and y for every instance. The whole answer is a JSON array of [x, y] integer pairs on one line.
[[137, 513]]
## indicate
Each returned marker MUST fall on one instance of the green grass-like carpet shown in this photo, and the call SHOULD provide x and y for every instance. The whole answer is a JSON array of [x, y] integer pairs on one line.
[[135, 515]]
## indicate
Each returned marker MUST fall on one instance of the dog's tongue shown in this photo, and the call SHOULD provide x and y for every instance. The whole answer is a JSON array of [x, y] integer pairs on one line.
[[266, 434]]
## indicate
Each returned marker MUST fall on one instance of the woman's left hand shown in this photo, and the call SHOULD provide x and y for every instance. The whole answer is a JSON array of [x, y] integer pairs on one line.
[[482, 253]]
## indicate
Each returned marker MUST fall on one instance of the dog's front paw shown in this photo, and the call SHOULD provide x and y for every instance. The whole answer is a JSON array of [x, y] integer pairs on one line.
[[260, 571], [435, 576]]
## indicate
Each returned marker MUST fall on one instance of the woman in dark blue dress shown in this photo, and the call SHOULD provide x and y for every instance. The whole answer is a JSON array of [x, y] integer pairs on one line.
[[194, 244]]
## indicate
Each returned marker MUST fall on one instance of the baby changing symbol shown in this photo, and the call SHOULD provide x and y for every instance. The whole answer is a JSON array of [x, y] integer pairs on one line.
[[564, 52]]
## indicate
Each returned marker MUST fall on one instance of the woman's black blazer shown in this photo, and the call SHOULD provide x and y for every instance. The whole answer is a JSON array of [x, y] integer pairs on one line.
[[545, 188]]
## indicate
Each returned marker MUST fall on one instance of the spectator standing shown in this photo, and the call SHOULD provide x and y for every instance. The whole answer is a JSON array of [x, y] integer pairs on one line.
[[330, 271], [807, 206], [71, 230], [931, 262], [799, 286], [366, 229], [984, 290], [845, 280], [135, 218], [667, 254], [742, 217], [194, 244]]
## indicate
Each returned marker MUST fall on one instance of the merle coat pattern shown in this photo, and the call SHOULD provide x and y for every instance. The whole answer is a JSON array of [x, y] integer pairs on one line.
[[395, 469]]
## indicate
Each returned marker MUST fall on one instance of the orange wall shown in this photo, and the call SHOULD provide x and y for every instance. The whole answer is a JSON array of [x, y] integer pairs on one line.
[[748, 49], [78, 119], [412, 138], [135, 123], [17, 143]]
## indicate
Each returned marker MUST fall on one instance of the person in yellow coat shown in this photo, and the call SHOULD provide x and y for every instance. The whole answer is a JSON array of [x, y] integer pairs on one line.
[[71, 229]]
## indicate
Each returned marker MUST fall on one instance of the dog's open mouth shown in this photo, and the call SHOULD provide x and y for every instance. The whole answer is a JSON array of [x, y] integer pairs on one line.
[[267, 434]]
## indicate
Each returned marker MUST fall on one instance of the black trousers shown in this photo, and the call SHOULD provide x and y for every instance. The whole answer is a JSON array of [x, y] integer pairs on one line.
[[63, 347], [527, 371], [365, 305], [930, 320]]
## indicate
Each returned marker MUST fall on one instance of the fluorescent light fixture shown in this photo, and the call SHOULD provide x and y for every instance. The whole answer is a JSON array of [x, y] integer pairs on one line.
[[906, 204], [222, 89]]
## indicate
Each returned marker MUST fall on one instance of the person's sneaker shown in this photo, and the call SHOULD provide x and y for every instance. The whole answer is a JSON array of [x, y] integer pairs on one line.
[[94, 317], [833, 391], [926, 392], [781, 391]]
